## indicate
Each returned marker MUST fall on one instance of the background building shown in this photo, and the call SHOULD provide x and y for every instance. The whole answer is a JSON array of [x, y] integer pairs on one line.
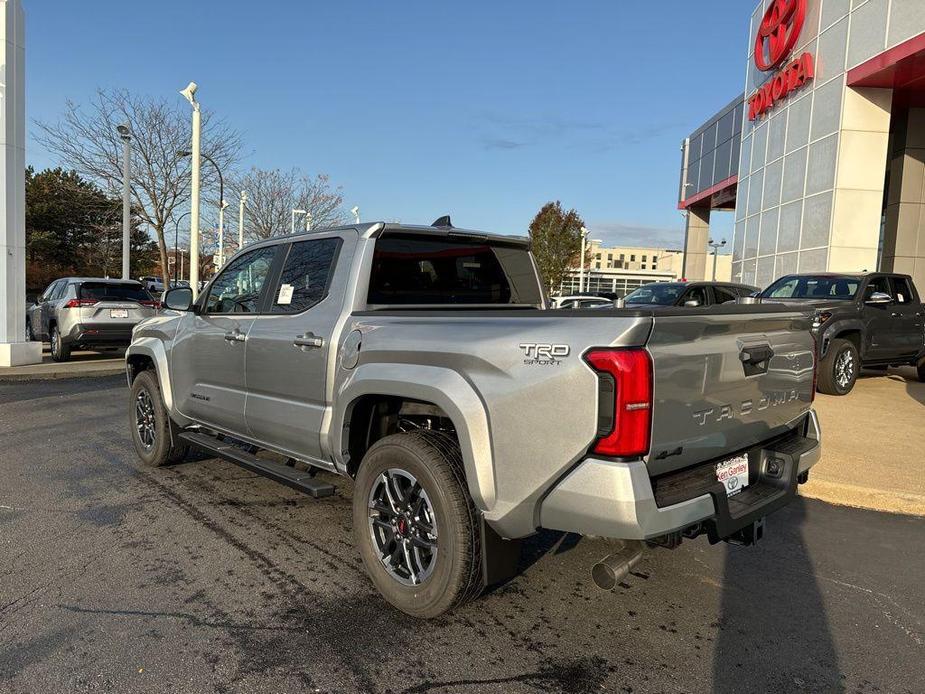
[[823, 157], [621, 269]]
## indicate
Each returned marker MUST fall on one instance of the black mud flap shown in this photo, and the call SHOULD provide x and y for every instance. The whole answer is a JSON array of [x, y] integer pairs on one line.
[[740, 518], [500, 557]]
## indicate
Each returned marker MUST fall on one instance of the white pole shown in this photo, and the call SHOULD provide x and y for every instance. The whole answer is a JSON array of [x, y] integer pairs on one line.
[[196, 151], [221, 233], [308, 221], [292, 225], [14, 351], [241, 205], [581, 262]]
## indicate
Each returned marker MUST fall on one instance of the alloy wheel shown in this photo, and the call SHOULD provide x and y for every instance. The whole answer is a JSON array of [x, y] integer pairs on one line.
[[403, 526], [844, 369], [145, 422]]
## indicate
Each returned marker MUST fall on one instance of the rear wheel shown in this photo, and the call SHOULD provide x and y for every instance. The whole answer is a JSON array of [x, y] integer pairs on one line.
[[150, 424], [838, 370], [921, 370], [415, 524], [59, 350]]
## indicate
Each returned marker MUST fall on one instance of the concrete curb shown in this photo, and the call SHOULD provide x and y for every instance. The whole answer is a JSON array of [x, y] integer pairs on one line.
[[24, 373], [840, 494]]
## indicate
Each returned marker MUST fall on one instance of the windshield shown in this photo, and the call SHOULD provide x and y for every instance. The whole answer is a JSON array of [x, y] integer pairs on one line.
[[809, 287], [111, 291], [662, 294]]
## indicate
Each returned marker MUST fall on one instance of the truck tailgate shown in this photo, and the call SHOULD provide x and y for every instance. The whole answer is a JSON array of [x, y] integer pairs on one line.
[[726, 381]]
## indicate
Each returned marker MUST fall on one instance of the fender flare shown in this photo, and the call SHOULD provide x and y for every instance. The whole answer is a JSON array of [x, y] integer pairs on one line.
[[839, 326], [444, 388], [154, 349]]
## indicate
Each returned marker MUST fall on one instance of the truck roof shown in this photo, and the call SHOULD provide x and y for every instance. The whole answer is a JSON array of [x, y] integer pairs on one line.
[[375, 229]]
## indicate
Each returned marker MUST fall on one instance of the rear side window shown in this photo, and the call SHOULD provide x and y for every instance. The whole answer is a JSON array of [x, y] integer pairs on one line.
[[306, 275], [724, 294], [409, 269], [112, 291]]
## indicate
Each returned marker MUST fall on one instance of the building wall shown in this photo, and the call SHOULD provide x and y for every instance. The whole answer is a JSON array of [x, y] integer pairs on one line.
[[812, 172], [608, 272]]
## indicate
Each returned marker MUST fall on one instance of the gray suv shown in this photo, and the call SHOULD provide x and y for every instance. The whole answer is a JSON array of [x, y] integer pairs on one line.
[[88, 313], [424, 363]]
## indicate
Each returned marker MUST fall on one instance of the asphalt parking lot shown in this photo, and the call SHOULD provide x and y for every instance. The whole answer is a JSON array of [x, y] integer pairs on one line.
[[204, 578]]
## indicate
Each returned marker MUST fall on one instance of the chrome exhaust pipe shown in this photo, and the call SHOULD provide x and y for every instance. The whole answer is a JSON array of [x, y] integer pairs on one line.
[[612, 569]]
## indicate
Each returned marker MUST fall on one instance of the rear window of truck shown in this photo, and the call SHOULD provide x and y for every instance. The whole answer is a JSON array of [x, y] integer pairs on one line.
[[409, 269]]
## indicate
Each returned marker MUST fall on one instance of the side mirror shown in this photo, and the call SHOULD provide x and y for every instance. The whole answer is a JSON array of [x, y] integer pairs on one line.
[[879, 298], [692, 303], [178, 299]]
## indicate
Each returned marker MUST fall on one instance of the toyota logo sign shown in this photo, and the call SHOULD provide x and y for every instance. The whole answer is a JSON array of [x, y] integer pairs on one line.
[[778, 33]]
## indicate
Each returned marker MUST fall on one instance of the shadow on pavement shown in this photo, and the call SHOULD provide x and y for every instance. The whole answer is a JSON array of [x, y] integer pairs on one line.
[[774, 635]]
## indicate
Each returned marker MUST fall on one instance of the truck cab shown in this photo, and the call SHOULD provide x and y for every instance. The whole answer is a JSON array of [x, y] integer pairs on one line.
[[869, 320]]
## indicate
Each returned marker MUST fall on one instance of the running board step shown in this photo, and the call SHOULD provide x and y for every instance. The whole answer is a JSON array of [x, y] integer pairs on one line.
[[278, 472]]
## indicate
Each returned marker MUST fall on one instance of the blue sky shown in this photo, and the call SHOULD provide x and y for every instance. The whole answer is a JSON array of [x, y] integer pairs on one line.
[[484, 110]]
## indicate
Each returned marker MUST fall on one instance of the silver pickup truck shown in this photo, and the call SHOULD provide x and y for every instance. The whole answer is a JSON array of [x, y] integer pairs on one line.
[[424, 363]]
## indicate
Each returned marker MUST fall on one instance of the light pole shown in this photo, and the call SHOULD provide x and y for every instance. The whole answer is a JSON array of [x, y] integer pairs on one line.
[[294, 213], [125, 133], [581, 261], [308, 221], [221, 205], [356, 213], [241, 206], [715, 247], [176, 245], [190, 94]]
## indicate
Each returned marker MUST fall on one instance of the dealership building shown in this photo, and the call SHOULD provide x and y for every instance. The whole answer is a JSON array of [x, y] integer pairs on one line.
[[822, 156]]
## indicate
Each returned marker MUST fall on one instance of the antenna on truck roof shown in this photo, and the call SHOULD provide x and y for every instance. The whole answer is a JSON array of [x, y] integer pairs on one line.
[[443, 221]]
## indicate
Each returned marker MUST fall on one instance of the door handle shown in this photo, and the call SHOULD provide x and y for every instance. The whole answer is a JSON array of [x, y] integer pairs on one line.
[[308, 340], [235, 336]]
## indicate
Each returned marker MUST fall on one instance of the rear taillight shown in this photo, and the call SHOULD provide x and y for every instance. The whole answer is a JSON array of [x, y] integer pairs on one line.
[[77, 303], [151, 304], [626, 382]]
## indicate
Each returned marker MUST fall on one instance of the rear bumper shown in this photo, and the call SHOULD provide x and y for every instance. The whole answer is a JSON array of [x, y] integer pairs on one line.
[[617, 500], [100, 334]]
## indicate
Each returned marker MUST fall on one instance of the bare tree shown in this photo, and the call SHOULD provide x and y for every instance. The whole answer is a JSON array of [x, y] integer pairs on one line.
[[87, 141], [273, 194]]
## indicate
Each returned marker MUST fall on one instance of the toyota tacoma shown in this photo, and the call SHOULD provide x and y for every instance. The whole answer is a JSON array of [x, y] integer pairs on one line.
[[424, 363]]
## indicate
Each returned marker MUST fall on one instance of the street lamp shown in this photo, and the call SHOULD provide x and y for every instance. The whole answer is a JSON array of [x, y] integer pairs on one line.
[[308, 221], [241, 206], [125, 133], [176, 244], [221, 205], [294, 213], [356, 213], [715, 247], [190, 95]]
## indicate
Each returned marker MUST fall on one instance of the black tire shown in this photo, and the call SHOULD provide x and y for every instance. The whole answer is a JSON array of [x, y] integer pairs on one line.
[[59, 350], [433, 459], [921, 370], [838, 370], [161, 448]]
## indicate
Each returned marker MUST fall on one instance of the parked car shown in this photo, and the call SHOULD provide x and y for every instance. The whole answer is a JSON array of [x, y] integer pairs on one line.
[[87, 313], [861, 320], [423, 364], [689, 294], [155, 285], [582, 301]]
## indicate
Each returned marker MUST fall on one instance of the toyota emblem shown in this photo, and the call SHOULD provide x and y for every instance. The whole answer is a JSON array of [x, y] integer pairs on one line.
[[778, 33]]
